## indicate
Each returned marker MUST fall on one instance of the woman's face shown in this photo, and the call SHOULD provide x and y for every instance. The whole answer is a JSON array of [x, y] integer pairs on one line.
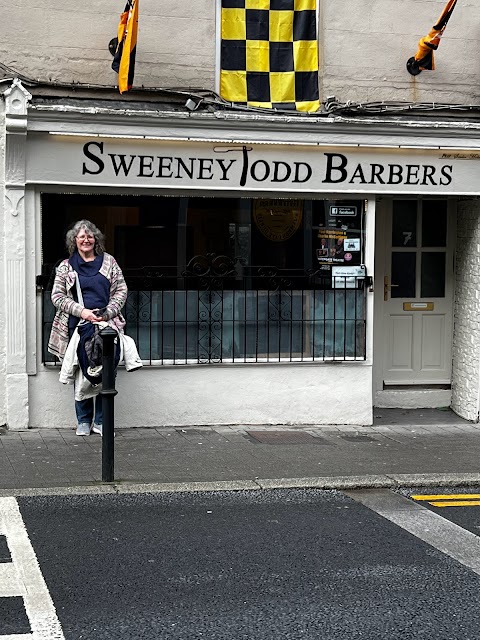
[[85, 241]]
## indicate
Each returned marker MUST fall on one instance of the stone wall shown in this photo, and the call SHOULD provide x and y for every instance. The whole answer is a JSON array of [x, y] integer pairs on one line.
[[466, 342], [364, 45]]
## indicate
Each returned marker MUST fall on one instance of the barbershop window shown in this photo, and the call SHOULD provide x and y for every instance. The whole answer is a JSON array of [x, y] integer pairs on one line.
[[218, 280]]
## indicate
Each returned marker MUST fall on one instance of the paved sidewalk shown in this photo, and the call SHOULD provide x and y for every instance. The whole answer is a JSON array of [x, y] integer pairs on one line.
[[404, 447]]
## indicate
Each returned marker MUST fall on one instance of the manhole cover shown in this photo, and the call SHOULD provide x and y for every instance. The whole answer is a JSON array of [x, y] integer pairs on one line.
[[354, 438], [284, 437]]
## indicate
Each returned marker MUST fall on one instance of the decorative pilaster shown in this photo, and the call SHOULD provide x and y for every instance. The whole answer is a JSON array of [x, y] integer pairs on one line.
[[16, 106]]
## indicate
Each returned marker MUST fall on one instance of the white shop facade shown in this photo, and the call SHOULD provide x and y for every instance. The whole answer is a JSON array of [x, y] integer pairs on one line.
[[296, 272]]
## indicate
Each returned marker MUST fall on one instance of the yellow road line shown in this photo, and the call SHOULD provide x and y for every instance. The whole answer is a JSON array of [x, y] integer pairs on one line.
[[448, 496], [456, 503]]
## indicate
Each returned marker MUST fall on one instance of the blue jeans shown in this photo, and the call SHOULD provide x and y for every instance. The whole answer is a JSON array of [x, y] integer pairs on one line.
[[88, 410]]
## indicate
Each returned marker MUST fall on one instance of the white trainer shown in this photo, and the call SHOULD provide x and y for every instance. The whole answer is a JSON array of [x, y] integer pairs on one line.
[[98, 428], [83, 429]]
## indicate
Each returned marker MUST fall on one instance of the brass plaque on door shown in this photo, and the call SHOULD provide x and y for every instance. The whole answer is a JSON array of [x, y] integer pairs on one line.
[[418, 306]]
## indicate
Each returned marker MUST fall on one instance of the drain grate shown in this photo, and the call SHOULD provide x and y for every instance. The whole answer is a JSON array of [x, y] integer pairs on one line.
[[284, 437], [354, 438]]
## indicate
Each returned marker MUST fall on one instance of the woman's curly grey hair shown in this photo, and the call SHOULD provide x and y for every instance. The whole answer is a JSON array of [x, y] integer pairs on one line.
[[89, 227]]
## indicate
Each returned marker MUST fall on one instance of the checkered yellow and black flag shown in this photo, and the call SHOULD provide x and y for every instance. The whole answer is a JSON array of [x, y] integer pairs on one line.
[[269, 54]]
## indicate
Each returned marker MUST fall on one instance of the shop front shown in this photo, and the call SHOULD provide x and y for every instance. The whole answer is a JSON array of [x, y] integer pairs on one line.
[[298, 279], [235, 300]]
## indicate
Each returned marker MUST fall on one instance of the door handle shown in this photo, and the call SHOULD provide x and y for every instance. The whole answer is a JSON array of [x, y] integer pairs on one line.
[[387, 286]]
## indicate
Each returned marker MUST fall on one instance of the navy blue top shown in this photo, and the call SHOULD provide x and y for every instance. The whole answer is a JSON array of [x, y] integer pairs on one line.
[[95, 286]]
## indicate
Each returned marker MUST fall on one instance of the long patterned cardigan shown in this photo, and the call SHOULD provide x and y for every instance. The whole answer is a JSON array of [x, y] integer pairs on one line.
[[62, 298]]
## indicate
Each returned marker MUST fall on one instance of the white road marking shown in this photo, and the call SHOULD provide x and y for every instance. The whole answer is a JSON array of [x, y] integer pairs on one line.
[[22, 577], [10, 584], [447, 537]]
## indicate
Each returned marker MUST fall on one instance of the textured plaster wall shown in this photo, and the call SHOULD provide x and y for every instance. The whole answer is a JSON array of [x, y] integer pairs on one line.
[[364, 45], [68, 41], [3, 408], [182, 396], [466, 342]]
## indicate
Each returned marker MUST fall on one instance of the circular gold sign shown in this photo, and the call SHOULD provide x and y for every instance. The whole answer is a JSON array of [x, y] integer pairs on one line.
[[278, 220]]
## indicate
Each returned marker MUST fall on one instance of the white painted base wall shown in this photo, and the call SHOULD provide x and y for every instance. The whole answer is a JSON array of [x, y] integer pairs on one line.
[[260, 394], [413, 399]]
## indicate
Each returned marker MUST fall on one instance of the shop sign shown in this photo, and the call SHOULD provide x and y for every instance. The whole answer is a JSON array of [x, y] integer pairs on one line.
[[164, 164], [336, 210], [351, 244], [347, 277]]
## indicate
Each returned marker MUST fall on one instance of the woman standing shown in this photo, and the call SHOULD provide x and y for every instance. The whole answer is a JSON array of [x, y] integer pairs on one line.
[[104, 293]]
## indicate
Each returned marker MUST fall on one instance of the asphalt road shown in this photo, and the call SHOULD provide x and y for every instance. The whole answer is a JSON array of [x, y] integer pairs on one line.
[[299, 564]]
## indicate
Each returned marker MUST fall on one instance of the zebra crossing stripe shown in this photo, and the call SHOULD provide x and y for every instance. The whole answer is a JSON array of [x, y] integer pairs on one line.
[[22, 577], [9, 581]]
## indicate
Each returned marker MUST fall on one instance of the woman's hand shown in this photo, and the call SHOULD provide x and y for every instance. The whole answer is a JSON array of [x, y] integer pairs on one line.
[[88, 314]]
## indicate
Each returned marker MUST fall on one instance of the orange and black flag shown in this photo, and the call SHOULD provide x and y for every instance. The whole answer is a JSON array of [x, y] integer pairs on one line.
[[424, 60], [124, 58]]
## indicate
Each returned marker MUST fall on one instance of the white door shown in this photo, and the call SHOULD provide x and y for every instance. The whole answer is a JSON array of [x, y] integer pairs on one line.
[[418, 292]]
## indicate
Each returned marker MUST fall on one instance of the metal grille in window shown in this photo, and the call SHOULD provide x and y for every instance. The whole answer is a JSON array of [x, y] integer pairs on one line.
[[219, 310]]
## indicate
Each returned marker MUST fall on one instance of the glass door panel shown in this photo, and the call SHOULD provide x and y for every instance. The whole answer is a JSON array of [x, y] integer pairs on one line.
[[403, 274], [434, 223], [433, 275], [404, 223]]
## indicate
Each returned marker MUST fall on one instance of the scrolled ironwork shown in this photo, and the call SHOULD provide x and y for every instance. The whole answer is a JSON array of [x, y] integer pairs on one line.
[[221, 309], [138, 307], [281, 310], [211, 269], [273, 280]]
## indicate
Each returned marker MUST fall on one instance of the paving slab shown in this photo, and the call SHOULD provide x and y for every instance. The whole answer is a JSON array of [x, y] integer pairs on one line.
[[416, 447]]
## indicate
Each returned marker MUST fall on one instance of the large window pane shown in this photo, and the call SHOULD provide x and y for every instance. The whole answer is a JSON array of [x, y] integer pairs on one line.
[[433, 275], [404, 226], [403, 274], [215, 279]]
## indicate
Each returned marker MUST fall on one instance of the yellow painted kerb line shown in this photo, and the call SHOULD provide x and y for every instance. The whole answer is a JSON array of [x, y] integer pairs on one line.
[[451, 499]]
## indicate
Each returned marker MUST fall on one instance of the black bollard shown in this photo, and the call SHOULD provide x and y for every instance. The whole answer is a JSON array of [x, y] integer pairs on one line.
[[108, 394]]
